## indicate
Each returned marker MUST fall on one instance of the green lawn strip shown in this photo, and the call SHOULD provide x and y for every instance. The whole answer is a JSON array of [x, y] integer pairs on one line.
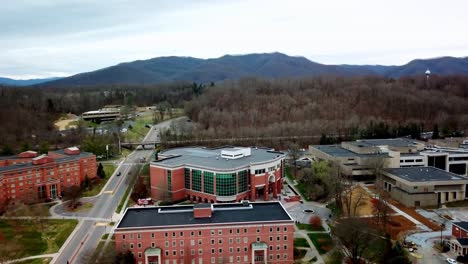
[[138, 130], [36, 261], [96, 186], [124, 197], [299, 187], [300, 242], [34, 237], [309, 227], [299, 253], [104, 237], [321, 241]]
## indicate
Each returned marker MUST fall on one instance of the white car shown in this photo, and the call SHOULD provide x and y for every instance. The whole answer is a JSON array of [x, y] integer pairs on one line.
[[451, 261]]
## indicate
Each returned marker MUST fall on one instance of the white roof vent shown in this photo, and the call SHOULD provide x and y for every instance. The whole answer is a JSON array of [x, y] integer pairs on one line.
[[235, 153]]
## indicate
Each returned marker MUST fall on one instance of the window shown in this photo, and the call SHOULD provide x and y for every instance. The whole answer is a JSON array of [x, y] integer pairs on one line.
[[199, 241], [226, 184], [285, 256], [231, 240], [166, 243], [131, 236], [131, 245], [165, 234], [192, 233], [199, 233], [181, 252], [246, 239], [123, 237], [245, 230], [285, 247], [153, 245], [152, 235], [139, 245], [200, 251], [277, 229], [196, 180], [238, 231], [212, 232], [285, 229], [278, 256], [220, 250], [271, 229], [167, 252], [173, 243], [220, 232], [258, 230], [192, 242], [139, 236], [208, 182], [242, 181], [192, 252], [212, 251], [238, 249], [278, 238], [220, 241], [187, 178], [238, 240], [173, 234], [181, 243], [285, 238], [212, 242], [181, 234], [169, 180], [271, 239], [174, 253], [230, 250], [139, 254], [262, 171]]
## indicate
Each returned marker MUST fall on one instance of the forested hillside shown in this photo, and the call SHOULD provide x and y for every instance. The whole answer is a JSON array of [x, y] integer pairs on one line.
[[348, 107]]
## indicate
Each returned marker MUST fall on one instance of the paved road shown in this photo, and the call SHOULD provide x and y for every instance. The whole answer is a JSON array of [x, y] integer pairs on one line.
[[86, 236]]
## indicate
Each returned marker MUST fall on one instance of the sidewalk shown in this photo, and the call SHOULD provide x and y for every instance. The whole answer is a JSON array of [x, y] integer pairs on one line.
[[315, 253], [396, 209], [32, 257]]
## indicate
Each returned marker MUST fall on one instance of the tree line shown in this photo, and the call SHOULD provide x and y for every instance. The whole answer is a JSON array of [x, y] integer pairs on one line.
[[27, 114], [347, 108]]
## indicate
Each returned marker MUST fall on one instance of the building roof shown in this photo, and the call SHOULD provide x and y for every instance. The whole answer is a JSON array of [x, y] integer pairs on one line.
[[29, 164], [424, 174], [394, 142], [338, 151], [211, 158], [462, 224], [222, 213], [463, 241]]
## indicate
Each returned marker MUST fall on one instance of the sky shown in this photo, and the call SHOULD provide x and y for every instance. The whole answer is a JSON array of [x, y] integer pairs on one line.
[[46, 38]]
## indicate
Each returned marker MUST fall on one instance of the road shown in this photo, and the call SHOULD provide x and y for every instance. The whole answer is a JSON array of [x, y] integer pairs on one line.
[[86, 236]]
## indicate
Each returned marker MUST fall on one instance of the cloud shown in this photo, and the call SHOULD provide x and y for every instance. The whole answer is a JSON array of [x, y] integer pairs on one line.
[[43, 37]]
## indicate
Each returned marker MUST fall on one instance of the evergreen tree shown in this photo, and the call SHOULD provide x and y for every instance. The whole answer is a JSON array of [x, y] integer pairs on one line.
[[435, 133], [100, 171]]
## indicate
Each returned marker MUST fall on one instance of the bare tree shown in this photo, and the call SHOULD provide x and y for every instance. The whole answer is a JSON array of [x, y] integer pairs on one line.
[[355, 238], [294, 153], [73, 194]]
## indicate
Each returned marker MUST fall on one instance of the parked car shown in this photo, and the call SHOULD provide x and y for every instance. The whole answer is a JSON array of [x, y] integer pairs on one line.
[[451, 261], [119, 173]]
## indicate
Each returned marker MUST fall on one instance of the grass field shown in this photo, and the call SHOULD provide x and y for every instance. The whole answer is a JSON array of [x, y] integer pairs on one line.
[[25, 238], [309, 227], [36, 261], [96, 186], [122, 201], [300, 242], [323, 242]]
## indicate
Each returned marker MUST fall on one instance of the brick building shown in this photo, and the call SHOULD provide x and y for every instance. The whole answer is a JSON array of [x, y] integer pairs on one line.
[[225, 174], [31, 177], [259, 232], [459, 241]]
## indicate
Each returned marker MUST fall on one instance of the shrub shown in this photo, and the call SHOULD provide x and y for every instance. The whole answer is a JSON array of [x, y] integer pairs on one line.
[[315, 221]]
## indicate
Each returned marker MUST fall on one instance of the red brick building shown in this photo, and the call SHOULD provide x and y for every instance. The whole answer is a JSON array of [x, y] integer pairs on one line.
[[226, 174], [31, 177], [459, 241], [260, 232]]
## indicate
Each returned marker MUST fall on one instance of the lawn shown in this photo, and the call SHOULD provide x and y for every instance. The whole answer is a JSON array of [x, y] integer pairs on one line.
[[124, 197], [300, 242], [138, 130], [23, 238], [98, 183], [36, 261], [323, 242], [299, 253], [309, 227]]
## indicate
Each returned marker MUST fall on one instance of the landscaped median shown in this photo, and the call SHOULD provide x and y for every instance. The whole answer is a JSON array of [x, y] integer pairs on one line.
[[99, 183], [23, 238]]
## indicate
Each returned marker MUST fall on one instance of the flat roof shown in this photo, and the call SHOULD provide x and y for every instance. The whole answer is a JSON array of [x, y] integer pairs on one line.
[[66, 157], [211, 158], [222, 213], [338, 151], [424, 174], [395, 142]]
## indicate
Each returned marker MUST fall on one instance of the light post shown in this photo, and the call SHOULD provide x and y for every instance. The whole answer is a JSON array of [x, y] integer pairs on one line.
[[442, 226]]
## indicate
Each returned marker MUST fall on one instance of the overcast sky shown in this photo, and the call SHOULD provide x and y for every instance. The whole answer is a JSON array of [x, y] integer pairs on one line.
[[44, 38]]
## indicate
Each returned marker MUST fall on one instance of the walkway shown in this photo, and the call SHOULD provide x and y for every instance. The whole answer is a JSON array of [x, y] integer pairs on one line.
[[31, 257], [396, 209], [315, 253]]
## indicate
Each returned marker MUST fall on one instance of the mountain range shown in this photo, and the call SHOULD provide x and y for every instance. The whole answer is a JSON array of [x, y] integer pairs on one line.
[[13, 82], [266, 65]]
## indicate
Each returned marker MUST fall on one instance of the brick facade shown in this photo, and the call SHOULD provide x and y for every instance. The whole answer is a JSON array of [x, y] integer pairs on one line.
[[30, 178]]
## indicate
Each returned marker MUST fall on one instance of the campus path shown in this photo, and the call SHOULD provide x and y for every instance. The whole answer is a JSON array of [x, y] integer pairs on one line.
[[31, 257]]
